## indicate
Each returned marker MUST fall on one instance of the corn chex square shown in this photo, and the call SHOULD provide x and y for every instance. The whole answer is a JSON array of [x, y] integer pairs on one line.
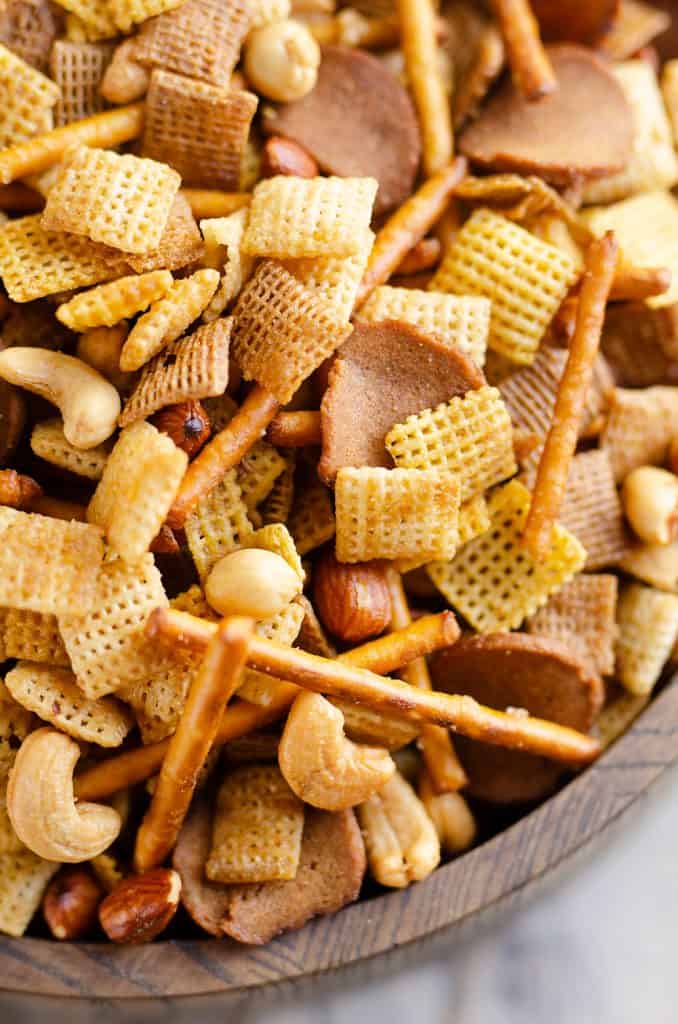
[[181, 242], [23, 880], [223, 239], [311, 520], [257, 473], [127, 13], [218, 525], [92, 18], [15, 725], [48, 442], [258, 687], [28, 99], [33, 636], [335, 278], [78, 69], [277, 506], [582, 615], [648, 629], [277, 538], [108, 304]]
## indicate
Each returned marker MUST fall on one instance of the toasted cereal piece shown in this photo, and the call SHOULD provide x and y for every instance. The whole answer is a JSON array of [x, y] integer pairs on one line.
[[88, 20], [199, 39], [264, 12], [618, 715], [656, 564], [180, 244], [121, 201], [648, 628], [278, 505], [194, 367], [582, 616], [474, 519], [284, 628], [282, 331], [48, 443], [78, 68], [138, 486], [193, 601], [592, 511], [334, 278], [298, 217], [28, 97], [33, 636], [625, 324], [525, 279], [470, 436], [363, 725], [218, 525], [15, 725], [669, 87], [258, 471], [312, 636], [108, 304], [396, 513], [127, 13], [223, 239], [635, 26], [198, 128], [54, 696], [168, 318], [29, 28], [493, 582], [276, 538], [9, 840], [159, 698], [639, 428], [256, 834], [47, 565], [311, 521], [23, 880]]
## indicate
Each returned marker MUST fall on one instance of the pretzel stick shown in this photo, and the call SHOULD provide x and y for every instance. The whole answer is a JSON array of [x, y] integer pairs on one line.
[[408, 225], [435, 743], [295, 429], [207, 202], [390, 652], [531, 68], [103, 130], [637, 283], [214, 685], [422, 256], [19, 198], [223, 452], [561, 440]]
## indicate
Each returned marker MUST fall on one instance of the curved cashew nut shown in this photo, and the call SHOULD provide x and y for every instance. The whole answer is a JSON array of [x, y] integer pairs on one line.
[[451, 815], [323, 767], [88, 403], [41, 804], [401, 841]]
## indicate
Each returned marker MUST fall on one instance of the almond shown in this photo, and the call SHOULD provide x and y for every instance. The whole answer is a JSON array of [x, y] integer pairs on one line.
[[283, 156], [187, 424], [16, 490], [351, 600], [71, 902], [140, 906]]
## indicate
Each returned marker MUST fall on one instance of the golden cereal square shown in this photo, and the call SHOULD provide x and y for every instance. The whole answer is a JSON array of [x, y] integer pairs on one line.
[[264, 12], [293, 217], [223, 239], [121, 201], [108, 304], [618, 715], [127, 13], [582, 615], [180, 244], [258, 471], [311, 521], [284, 628], [592, 511], [524, 278], [218, 525], [639, 427], [33, 636], [277, 538], [15, 724], [78, 68], [278, 505], [474, 519], [28, 29], [28, 98], [49, 443], [88, 20], [648, 628], [23, 880], [335, 278]]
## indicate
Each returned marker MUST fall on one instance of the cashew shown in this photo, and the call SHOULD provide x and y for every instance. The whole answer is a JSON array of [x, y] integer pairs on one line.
[[125, 80], [451, 816], [323, 767], [401, 842], [42, 808], [88, 404]]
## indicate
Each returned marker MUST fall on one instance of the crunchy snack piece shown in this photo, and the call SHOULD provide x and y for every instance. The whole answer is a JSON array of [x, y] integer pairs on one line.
[[15, 725], [312, 636], [108, 304], [618, 715], [28, 28], [180, 243], [582, 616], [258, 472], [218, 525], [493, 582], [277, 507], [592, 511], [88, 20], [138, 485], [197, 128], [426, 82], [648, 628], [656, 564], [474, 519], [282, 331], [29, 99], [624, 324], [276, 538], [533, 74], [398, 513], [334, 278], [669, 92], [635, 25], [284, 628], [78, 68], [639, 427], [311, 521], [127, 13], [121, 201], [223, 238], [366, 726], [470, 436], [31, 635], [23, 880], [49, 443]]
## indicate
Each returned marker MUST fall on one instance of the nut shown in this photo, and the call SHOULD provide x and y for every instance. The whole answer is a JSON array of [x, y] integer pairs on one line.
[[88, 403], [42, 808], [351, 599], [187, 424], [650, 500], [100, 348], [252, 582], [125, 80], [71, 902], [451, 816], [16, 490], [284, 156], [141, 906], [282, 60], [322, 766]]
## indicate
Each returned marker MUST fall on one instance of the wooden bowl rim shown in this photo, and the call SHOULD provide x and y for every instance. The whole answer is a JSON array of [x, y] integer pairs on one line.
[[489, 874]]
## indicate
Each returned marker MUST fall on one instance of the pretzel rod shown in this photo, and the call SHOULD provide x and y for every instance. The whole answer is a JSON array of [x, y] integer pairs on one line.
[[564, 322], [435, 742], [207, 202], [420, 50], [223, 452], [530, 65], [408, 225], [295, 429], [387, 653], [368, 33], [633, 284], [19, 198], [561, 440], [212, 688], [106, 130], [422, 256], [16, 490]]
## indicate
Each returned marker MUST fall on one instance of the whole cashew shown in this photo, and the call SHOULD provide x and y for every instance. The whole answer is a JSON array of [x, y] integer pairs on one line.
[[322, 766], [401, 841], [42, 808], [88, 403]]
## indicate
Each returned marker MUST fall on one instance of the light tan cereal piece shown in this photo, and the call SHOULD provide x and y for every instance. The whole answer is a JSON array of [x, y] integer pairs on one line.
[[639, 427], [263, 12], [47, 565], [9, 840], [396, 513], [462, 321], [618, 715], [218, 525], [363, 725], [470, 436], [493, 582], [121, 201], [127, 13], [193, 367], [334, 278], [312, 635], [648, 628], [223, 238], [220, 411], [277, 538], [656, 564], [107, 646], [525, 279], [28, 97], [168, 318], [284, 628], [28, 29], [158, 700], [138, 486], [669, 87], [15, 725], [23, 880], [256, 833], [48, 443], [474, 519], [311, 521], [258, 471], [199, 39], [78, 68], [282, 331], [635, 25], [278, 505], [32, 636], [198, 128], [193, 601], [88, 20], [108, 304], [298, 217], [180, 244], [592, 511], [582, 616], [54, 696]]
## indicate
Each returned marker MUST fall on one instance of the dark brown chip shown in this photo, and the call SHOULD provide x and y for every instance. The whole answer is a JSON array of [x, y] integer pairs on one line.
[[560, 137], [358, 121], [579, 21], [331, 869], [512, 670], [384, 373], [641, 344]]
